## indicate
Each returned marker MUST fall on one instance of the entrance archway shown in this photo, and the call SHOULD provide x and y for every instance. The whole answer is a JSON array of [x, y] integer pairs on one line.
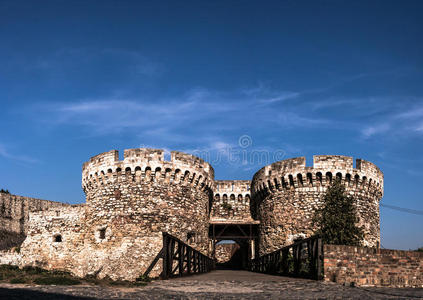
[[233, 243], [232, 254]]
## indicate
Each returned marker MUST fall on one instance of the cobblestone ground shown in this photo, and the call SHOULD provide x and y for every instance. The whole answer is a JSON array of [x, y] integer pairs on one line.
[[215, 285]]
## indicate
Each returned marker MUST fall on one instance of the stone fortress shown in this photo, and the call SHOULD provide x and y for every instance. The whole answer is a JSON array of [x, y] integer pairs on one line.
[[130, 202]]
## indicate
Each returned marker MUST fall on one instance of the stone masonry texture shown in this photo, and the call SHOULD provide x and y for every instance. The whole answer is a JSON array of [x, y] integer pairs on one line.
[[373, 267]]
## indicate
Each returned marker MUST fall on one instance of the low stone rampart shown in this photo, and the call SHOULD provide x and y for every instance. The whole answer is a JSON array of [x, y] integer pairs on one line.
[[373, 267]]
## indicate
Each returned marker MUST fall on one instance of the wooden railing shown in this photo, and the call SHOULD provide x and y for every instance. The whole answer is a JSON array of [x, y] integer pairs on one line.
[[180, 259], [301, 259]]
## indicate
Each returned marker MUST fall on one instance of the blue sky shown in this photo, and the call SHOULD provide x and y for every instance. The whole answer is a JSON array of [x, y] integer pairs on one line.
[[292, 78]]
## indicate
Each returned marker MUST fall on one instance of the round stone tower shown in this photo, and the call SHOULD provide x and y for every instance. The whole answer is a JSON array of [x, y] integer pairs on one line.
[[286, 193], [130, 202]]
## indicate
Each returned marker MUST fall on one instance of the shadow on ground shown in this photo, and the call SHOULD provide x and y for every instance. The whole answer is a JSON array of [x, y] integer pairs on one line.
[[35, 295]]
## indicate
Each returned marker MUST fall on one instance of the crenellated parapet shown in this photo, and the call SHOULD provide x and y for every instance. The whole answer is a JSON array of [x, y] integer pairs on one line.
[[286, 194], [232, 188], [231, 201], [293, 173], [147, 165]]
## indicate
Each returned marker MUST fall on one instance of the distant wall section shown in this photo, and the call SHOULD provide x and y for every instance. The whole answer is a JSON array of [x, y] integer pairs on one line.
[[231, 201], [14, 211]]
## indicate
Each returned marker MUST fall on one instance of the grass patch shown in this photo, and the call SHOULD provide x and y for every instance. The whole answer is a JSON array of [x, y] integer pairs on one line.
[[34, 270], [56, 280], [18, 280], [37, 275], [143, 278]]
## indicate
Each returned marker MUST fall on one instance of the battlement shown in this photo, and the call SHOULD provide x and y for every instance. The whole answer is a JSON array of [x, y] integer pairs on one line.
[[231, 201], [232, 187], [294, 173], [146, 164]]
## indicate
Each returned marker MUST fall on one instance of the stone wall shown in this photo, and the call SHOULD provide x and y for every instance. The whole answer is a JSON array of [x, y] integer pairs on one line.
[[55, 240], [231, 201], [373, 267], [224, 252], [129, 203], [285, 195], [14, 211]]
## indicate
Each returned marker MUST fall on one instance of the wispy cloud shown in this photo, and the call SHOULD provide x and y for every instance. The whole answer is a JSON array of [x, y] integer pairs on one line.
[[6, 153], [279, 98], [197, 109], [199, 114], [291, 119], [412, 118], [266, 96], [375, 129]]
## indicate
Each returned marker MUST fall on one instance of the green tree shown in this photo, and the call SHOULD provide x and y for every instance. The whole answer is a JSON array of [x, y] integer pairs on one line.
[[337, 219]]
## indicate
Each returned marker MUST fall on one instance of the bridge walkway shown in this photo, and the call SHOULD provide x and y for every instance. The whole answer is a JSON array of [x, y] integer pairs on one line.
[[219, 284]]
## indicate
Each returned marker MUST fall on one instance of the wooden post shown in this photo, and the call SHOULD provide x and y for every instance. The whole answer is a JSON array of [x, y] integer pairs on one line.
[[320, 258], [171, 255], [181, 258], [165, 271], [189, 252]]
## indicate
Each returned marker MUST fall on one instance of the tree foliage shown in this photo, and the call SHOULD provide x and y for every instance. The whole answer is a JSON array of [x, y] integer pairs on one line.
[[337, 219], [4, 191]]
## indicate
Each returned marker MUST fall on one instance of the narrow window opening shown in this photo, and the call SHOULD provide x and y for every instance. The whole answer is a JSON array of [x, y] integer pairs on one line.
[[319, 177], [328, 177], [300, 179], [291, 180], [310, 179], [58, 238], [102, 233]]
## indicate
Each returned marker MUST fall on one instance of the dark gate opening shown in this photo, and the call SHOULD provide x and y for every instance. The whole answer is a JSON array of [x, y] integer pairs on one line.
[[233, 244], [232, 255]]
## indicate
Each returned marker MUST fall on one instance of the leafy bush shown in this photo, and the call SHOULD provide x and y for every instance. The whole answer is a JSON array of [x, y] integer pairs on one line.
[[226, 206]]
